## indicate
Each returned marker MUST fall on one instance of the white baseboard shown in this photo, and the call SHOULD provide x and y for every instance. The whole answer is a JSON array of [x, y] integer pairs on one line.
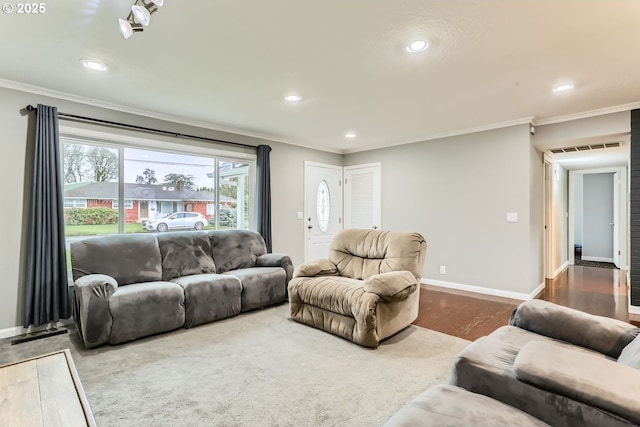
[[560, 269], [483, 290], [19, 330], [597, 259]]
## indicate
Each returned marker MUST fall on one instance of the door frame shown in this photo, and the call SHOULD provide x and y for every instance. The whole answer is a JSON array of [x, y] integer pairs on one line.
[[622, 219]]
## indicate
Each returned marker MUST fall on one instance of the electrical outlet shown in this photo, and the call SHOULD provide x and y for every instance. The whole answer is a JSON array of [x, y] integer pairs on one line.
[[443, 269]]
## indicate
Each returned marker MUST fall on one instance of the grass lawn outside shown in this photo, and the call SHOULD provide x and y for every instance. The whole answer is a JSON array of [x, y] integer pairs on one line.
[[95, 230]]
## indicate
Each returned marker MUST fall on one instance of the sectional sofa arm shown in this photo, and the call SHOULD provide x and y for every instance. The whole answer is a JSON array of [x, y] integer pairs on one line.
[[581, 376], [91, 308], [276, 260], [602, 334], [318, 267], [391, 286]]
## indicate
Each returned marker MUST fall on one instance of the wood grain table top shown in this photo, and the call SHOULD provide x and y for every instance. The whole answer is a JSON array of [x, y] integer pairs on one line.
[[43, 391]]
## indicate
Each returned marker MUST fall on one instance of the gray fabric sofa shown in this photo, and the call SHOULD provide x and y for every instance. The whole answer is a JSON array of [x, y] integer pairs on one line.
[[134, 285], [451, 406], [562, 366]]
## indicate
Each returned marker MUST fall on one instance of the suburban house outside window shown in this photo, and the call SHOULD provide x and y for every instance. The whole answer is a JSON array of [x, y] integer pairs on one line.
[[151, 185]]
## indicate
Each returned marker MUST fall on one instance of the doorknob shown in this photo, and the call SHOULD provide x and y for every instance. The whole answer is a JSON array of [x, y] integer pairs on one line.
[[611, 224], [375, 227]]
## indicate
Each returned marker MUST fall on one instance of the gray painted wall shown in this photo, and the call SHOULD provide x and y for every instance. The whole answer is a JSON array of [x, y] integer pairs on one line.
[[15, 171], [457, 191], [597, 214]]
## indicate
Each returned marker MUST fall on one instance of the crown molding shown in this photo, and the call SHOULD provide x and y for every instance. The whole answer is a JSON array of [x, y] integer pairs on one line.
[[38, 90], [587, 114], [475, 129]]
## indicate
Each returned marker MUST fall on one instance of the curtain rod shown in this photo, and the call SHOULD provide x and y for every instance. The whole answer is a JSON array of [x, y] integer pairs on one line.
[[73, 117]]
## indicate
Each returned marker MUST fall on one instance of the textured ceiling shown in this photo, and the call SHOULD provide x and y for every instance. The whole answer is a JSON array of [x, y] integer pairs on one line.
[[227, 64]]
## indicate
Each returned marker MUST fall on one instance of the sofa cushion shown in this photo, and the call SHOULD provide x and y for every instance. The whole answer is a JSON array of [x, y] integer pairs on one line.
[[261, 286], [451, 406], [602, 334], [128, 258], [630, 355], [337, 294], [581, 376], [185, 253], [209, 297], [142, 309], [234, 249], [360, 254]]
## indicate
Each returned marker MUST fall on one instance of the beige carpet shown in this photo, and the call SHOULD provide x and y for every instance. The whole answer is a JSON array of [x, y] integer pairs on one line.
[[257, 369]]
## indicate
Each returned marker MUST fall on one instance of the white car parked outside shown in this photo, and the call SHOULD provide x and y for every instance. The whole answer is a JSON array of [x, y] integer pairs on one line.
[[176, 220]]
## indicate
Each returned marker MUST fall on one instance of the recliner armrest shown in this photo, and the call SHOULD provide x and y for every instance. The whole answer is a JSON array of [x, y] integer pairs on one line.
[[318, 267], [91, 308], [276, 260], [582, 376], [391, 286], [602, 334], [104, 285]]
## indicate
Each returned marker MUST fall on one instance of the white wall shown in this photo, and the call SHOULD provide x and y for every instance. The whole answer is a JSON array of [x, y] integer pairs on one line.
[[456, 192], [286, 185]]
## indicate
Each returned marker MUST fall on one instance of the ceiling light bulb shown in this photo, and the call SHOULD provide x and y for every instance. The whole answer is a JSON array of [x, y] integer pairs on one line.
[[417, 46], [350, 135], [94, 65], [292, 98], [142, 14], [125, 28], [563, 87], [158, 3]]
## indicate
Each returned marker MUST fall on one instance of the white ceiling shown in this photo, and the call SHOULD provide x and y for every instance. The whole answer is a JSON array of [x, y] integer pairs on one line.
[[227, 64]]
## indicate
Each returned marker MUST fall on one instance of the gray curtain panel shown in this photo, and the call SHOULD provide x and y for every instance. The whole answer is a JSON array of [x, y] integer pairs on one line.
[[46, 293], [263, 199]]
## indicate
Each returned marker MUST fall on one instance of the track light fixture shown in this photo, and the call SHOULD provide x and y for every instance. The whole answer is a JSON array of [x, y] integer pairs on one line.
[[139, 17]]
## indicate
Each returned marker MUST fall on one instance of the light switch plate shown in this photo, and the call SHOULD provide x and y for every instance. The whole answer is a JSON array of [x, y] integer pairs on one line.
[[299, 215], [512, 216]]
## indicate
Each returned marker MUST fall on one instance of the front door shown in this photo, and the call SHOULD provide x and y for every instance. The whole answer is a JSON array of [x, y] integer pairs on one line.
[[323, 207]]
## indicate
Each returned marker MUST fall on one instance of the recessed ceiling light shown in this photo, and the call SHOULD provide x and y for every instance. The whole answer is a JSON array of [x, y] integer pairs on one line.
[[417, 46], [94, 65], [563, 87], [350, 135], [292, 98]]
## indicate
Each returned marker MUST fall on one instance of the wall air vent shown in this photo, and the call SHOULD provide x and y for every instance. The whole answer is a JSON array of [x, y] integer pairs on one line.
[[585, 148]]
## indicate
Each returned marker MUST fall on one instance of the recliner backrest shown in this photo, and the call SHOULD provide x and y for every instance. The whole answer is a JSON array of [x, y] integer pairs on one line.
[[234, 249], [128, 258], [362, 253]]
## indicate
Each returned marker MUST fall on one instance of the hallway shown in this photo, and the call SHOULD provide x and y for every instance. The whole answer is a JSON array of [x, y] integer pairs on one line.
[[471, 315]]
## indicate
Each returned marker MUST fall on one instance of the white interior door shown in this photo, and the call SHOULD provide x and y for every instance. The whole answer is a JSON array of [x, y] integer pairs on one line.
[[615, 219], [362, 199], [323, 207]]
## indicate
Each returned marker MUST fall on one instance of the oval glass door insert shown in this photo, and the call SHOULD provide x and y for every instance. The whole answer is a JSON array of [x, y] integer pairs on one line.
[[323, 205]]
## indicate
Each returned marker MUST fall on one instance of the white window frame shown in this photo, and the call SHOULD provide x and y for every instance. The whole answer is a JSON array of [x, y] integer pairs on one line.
[[86, 136], [75, 200], [128, 204]]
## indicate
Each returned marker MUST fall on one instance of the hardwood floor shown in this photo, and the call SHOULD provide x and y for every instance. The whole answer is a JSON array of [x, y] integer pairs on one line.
[[469, 315]]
